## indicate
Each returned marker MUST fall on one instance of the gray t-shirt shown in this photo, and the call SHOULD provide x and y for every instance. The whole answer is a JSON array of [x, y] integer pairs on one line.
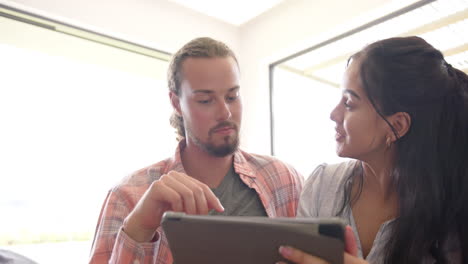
[[322, 196], [237, 198]]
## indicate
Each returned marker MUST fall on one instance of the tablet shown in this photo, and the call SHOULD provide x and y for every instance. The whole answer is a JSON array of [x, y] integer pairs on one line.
[[250, 240]]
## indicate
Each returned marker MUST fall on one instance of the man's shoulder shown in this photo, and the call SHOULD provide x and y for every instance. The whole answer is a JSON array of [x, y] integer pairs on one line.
[[146, 175], [266, 165], [262, 161]]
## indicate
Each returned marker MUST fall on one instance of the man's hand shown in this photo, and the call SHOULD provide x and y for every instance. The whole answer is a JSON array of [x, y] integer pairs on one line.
[[172, 192]]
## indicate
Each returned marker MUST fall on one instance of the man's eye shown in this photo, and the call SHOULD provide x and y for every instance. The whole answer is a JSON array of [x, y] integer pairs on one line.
[[231, 98], [204, 101]]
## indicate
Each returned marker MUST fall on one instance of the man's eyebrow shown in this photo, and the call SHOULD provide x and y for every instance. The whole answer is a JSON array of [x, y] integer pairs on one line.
[[203, 91], [353, 93], [237, 87]]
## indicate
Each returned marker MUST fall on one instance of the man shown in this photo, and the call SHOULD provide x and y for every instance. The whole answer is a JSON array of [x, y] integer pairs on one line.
[[207, 172]]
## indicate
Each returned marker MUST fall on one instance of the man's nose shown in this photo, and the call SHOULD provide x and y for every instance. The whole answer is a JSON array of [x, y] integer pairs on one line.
[[224, 111]]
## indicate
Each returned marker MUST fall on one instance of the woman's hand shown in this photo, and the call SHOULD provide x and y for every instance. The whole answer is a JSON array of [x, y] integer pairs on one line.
[[299, 257]]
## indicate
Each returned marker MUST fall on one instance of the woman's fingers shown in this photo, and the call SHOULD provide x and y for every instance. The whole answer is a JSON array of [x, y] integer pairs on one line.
[[299, 257], [350, 242], [349, 259]]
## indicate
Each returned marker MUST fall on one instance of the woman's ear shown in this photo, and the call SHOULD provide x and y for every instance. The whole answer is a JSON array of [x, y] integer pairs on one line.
[[401, 122], [175, 102]]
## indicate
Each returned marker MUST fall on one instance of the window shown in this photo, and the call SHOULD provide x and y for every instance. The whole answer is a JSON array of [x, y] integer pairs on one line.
[[78, 111], [304, 86]]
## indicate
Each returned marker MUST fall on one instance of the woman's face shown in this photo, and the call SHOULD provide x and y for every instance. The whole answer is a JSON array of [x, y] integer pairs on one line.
[[360, 132]]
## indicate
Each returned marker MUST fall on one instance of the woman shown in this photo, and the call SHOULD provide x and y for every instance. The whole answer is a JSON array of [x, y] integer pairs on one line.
[[403, 118]]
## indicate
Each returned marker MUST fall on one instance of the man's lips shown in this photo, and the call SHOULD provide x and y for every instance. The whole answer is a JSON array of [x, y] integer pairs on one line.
[[224, 130]]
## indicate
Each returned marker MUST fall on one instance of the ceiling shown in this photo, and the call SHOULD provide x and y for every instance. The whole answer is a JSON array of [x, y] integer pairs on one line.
[[232, 12], [443, 23]]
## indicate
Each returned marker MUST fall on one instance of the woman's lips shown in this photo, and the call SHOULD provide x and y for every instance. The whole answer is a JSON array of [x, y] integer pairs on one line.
[[338, 136]]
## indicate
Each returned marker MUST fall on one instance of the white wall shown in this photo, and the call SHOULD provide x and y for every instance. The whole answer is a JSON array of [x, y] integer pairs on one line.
[[284, 29]]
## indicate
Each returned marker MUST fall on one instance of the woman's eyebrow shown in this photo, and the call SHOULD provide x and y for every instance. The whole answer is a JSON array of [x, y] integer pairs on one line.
[[353, 93]]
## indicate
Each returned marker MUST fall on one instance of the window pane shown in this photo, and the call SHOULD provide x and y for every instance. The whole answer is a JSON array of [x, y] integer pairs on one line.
[[304, 133], [72, 127]]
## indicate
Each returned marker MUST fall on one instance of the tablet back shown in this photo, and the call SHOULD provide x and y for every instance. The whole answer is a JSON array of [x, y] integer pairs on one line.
[[249, 240]]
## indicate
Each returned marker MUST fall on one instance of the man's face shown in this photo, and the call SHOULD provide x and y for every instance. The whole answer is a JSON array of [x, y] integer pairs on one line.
[[210, 105]]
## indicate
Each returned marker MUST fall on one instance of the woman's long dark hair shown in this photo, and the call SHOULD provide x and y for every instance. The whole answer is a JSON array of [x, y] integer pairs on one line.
[[431, 167]]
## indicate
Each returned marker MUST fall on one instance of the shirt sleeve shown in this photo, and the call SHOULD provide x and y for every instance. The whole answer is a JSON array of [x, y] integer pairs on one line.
[[112, 245], [309, 198], [295, 181]]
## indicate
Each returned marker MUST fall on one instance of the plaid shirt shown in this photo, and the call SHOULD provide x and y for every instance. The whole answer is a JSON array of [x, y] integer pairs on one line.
[[277, 184]]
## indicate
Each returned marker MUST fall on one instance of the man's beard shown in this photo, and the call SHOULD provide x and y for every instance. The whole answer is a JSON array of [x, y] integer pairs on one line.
[[229, 146]]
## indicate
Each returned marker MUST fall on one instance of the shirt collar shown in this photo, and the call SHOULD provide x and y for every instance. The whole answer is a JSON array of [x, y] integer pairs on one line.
[[241, 164]]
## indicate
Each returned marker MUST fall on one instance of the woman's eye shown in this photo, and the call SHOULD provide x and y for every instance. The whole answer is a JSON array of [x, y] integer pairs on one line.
[[347, 103]]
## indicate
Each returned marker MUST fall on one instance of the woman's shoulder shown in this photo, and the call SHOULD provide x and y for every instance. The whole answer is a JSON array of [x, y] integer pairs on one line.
[[330, 174], [323, 189]]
